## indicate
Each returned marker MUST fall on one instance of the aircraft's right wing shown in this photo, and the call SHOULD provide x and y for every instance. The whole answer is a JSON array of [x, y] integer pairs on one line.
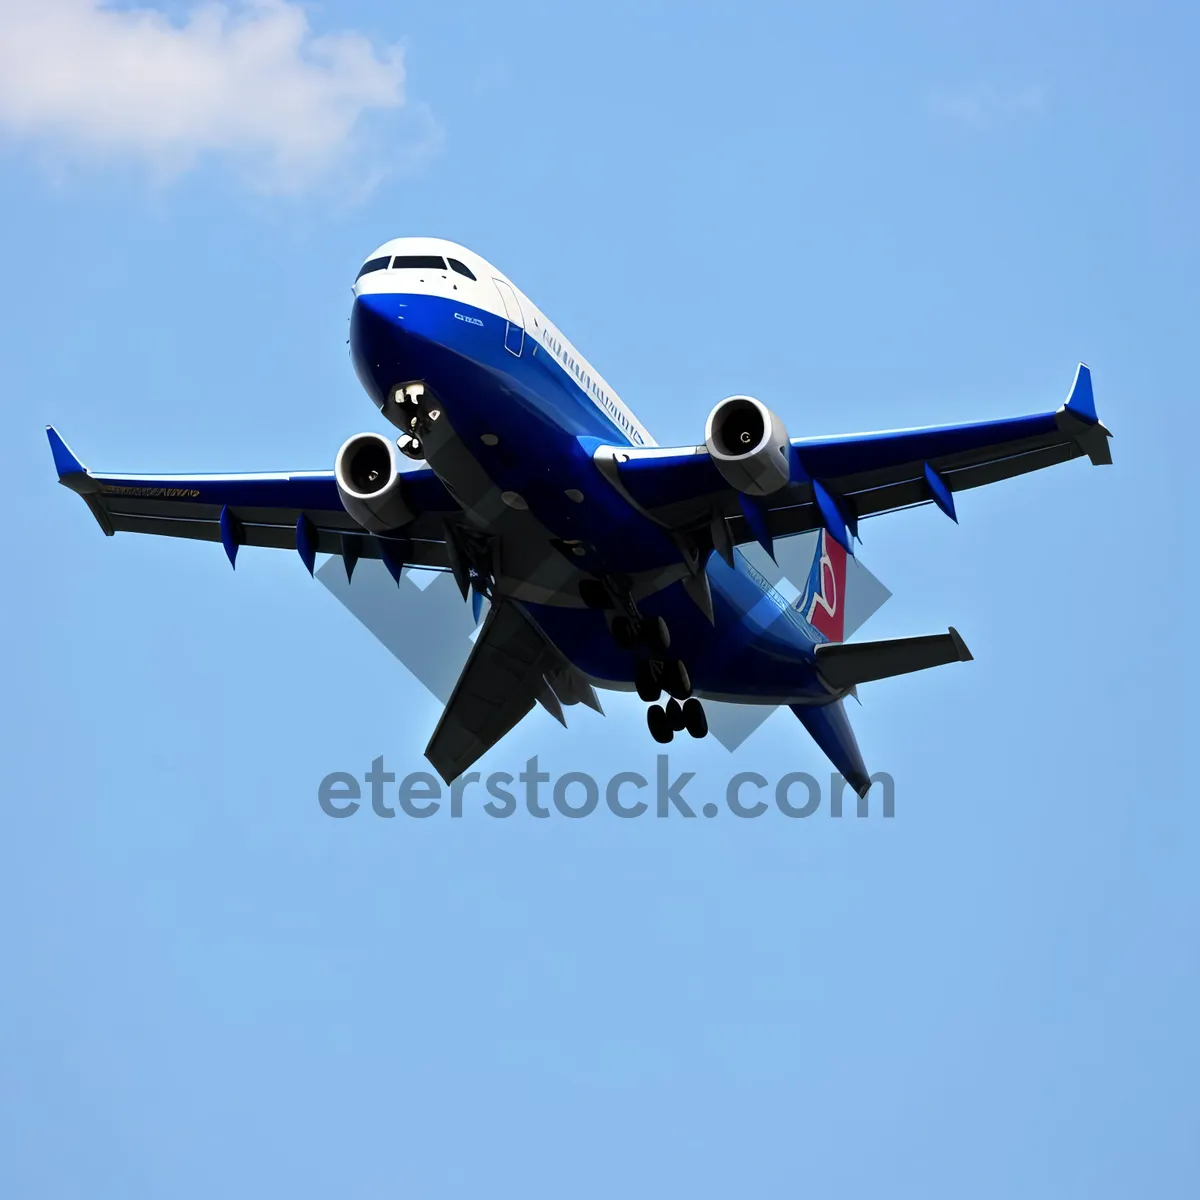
[[836, 481]]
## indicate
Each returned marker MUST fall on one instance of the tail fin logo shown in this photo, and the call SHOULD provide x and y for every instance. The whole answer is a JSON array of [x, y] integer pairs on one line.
[[822, 601]]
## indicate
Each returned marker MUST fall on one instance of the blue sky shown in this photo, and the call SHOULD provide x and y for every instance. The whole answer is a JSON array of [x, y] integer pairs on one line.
[[868, 216]]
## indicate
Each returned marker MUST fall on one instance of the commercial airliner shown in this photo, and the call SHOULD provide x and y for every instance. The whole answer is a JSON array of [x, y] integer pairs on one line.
[[606, 560]]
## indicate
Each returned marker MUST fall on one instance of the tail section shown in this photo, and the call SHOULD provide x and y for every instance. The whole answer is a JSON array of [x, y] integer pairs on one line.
[[822, 603], [829, 727], [852, 663], [843, 665]]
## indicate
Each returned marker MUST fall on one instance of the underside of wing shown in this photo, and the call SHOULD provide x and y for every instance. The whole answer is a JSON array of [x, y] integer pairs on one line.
[[299, 511], [835, 482]]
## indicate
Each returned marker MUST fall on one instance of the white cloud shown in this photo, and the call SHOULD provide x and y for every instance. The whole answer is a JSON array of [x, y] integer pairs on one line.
[[980, 105], [249, 81]]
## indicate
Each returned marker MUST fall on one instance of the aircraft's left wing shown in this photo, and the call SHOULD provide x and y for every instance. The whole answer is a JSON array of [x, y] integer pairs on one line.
[[299, 511], [509, 671], [834, 482]]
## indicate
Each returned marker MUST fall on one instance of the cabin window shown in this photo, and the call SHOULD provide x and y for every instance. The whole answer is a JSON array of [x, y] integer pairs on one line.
[[374, 264]]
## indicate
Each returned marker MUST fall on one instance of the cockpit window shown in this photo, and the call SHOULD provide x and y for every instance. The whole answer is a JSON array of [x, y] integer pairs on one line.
[[424, 262], [374, 264], [461, 268]]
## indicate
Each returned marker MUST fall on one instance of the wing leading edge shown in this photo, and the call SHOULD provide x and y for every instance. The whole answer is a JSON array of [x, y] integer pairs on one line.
[[299, 511], [836, 481]]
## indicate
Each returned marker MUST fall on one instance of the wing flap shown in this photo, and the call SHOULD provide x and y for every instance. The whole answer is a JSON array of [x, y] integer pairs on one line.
[[995, 470], [408, 552]]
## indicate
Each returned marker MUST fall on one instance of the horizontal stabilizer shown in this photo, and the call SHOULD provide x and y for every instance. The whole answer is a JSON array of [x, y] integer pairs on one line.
[[845, 664]]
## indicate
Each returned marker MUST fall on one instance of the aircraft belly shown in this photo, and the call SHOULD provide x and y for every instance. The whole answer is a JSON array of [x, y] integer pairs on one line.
[[762, 660], [509, 443]]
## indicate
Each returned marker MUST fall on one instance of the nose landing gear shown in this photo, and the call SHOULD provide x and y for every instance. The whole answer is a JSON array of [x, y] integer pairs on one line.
[[411, 407]]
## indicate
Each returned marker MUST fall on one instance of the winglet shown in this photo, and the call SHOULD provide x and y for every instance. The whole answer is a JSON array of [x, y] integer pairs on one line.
[[1081, 401], [1077, 418], [74, 475], [71, 472]]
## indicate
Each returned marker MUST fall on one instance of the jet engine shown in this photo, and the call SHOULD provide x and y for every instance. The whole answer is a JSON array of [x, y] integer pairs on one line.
[[370, 484], [749, 446]]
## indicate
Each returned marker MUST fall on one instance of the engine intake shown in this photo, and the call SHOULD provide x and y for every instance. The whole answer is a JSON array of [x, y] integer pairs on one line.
[[370, 483], [749, 446]]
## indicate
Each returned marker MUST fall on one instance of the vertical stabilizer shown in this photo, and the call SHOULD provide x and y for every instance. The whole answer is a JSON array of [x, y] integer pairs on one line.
[[822, 603]]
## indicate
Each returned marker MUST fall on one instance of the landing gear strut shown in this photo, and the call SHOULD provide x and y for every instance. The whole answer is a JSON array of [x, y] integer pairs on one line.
[[630, 631]]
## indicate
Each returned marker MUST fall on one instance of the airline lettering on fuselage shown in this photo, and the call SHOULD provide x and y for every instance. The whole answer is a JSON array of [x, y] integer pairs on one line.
[[469, 320]]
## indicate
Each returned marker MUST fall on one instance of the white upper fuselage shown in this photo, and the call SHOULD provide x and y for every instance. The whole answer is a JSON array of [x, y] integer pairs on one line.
[[492, 291]]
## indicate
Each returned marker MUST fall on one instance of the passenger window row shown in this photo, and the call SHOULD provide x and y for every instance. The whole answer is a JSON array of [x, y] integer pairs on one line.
[[413, 262]]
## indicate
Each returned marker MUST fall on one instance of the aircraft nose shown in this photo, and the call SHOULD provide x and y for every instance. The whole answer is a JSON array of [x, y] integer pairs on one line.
[[376, 308], [374, 322]]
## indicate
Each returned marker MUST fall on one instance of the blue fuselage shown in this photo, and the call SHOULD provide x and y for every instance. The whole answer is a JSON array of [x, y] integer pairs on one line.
[[521, 418]]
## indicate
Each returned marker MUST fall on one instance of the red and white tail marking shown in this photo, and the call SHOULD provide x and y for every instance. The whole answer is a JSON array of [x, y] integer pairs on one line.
[[827, 589]]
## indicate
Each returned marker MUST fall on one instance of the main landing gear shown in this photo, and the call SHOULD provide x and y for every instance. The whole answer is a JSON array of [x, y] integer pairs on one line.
[[682, 711], [665, 721], [658, 673]]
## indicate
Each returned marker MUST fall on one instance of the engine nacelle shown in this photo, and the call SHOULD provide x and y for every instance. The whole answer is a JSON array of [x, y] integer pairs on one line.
[[749, 445], [369, 482]]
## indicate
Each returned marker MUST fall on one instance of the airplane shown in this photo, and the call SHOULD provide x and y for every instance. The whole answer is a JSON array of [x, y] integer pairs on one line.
[[606, 560]]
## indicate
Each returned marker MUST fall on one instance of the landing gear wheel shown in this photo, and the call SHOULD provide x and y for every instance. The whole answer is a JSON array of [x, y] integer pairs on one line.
[[656, 720], [410, 445], [624, 632], [695, 720], [655, 634], [592, 592], [646, 679], [675, 679], [675, 715]]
